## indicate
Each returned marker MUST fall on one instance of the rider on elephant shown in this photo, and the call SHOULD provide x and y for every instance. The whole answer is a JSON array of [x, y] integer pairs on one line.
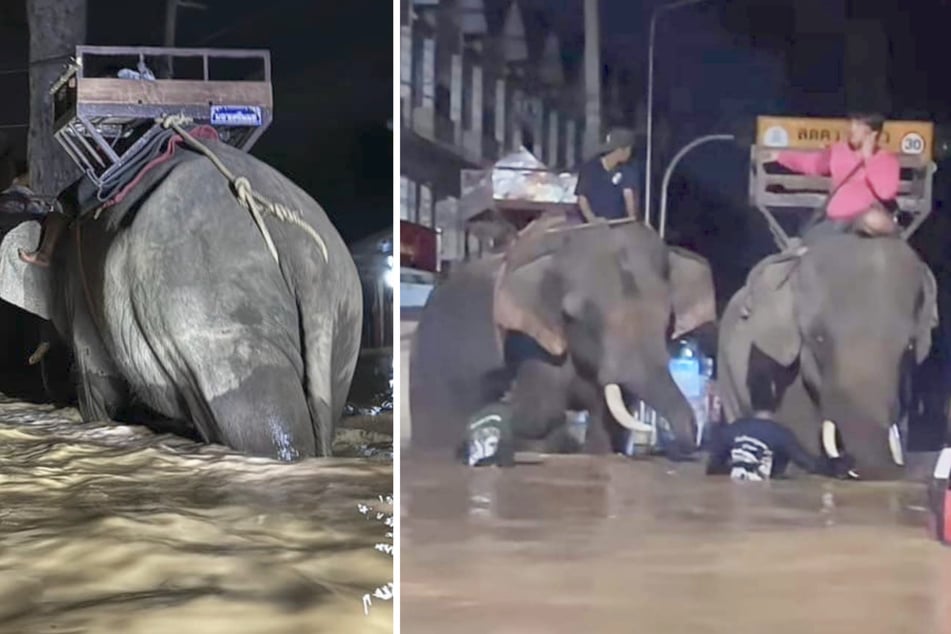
[[864, 179], [608, 183]]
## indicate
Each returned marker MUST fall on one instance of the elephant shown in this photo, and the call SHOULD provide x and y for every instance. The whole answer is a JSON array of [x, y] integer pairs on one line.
[[826, 335], [574, 318], [172, 303]]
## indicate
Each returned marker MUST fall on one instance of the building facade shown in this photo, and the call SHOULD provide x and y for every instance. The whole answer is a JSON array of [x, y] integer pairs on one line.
[[475, 84]]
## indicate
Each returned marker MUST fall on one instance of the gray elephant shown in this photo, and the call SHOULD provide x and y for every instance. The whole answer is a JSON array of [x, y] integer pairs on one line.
[[826, 335], [579, 318], [173, 301]]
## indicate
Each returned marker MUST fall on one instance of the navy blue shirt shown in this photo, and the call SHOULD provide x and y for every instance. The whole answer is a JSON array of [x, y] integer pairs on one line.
[[604, 189], [756, 449]]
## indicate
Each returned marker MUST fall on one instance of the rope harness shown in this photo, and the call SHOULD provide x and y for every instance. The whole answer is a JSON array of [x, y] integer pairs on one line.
[[241, 186]]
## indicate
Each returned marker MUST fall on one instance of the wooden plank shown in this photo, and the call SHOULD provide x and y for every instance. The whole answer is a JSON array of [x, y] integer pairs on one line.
[[906, 161], [820, 183], [771, 200], [173, 92]]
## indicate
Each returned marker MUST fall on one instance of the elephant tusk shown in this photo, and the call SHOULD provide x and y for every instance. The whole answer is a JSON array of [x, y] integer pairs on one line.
[[612, 395], [39, 353], [894, 445], [828, 439]]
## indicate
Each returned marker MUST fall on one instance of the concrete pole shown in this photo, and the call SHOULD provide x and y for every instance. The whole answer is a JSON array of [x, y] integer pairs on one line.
[[592, 78]]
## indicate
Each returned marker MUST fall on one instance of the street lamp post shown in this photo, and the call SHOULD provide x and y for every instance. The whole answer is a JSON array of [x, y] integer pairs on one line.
[[650, 97], [662, 223]]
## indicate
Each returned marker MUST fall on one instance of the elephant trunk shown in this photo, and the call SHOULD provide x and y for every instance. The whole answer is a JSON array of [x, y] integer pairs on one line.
[[661, 394], [863, 423]]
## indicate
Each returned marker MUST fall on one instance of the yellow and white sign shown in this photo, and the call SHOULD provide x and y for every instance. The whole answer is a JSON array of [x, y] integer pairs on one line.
[[915, 138]]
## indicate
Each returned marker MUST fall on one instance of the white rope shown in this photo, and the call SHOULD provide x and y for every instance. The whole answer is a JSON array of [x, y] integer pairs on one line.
[[251, 200]]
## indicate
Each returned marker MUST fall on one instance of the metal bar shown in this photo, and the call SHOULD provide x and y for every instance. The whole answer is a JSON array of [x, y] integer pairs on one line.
[[98, 138], [161, 51], [920, 218], [89, 168], [780, 237], [588, 225], [72, 154], [246, 146], [89, 148], [204, 63], [709, 138]]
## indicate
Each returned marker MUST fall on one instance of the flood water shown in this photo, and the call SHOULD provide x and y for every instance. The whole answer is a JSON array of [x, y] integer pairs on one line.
[[609, 544], [109, 528]]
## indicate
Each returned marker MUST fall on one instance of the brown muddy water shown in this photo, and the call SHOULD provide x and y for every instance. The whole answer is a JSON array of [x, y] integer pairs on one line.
[[110, 528], [608, 544]]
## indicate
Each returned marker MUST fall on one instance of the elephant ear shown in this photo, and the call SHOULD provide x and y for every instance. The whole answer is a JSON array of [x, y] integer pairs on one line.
[[770, 310], [24, 285], [927, 314], [691, 291], [523, 301]]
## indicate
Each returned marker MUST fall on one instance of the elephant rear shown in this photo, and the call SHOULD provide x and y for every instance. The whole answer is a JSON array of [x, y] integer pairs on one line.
[[205, 325], [454, 348]]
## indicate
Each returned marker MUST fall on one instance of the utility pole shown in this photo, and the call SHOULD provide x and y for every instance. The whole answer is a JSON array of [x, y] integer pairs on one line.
[[592, 78]]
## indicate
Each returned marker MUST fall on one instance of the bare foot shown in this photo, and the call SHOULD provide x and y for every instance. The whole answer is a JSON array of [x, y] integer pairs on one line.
[[35, 257]]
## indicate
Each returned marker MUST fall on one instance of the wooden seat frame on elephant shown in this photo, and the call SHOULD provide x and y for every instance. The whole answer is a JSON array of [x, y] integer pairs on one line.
[[103, 122]]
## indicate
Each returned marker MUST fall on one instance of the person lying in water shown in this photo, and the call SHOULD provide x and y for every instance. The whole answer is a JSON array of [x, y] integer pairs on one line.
[[759, 448], [864, 179], [488, 438]]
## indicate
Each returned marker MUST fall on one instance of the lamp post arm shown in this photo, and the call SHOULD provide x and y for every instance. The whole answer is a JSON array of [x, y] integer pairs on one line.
[[709, 138]]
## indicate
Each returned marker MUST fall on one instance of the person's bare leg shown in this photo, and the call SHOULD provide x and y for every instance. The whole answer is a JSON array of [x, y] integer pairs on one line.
[[53, 228]]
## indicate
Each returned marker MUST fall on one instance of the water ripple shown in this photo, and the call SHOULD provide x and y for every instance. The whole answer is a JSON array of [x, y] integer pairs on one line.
[[110, 527]]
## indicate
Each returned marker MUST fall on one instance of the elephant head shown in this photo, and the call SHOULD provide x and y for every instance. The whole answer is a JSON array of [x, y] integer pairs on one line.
[[610, 298], [852, 315]]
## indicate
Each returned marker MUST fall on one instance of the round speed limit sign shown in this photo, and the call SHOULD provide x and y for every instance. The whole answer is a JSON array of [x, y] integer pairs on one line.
[[912, 143]]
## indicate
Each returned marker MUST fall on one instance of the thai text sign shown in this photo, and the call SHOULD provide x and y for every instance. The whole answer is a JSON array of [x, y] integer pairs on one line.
[[914, 138]]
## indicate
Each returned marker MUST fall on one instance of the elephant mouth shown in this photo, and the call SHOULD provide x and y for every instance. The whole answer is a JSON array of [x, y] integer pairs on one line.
[[831, 445], [620, 412]]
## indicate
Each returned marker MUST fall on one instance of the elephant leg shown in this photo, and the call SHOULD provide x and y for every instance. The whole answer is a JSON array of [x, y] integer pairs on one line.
[[602, 434], [266, 414], [100, 396], [598, 439], [539, 400], [102, 392]]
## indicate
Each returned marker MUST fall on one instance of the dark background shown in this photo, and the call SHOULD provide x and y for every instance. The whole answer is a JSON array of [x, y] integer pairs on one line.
[[332, 73]]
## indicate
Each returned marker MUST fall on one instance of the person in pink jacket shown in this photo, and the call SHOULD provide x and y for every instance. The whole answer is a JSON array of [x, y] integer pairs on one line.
[[864, 179]]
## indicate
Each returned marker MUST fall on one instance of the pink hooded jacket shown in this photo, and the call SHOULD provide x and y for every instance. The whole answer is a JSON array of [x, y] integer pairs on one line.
[[877, 179]]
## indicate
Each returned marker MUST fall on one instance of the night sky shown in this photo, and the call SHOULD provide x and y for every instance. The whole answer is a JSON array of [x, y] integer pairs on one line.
[[332, 79]]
